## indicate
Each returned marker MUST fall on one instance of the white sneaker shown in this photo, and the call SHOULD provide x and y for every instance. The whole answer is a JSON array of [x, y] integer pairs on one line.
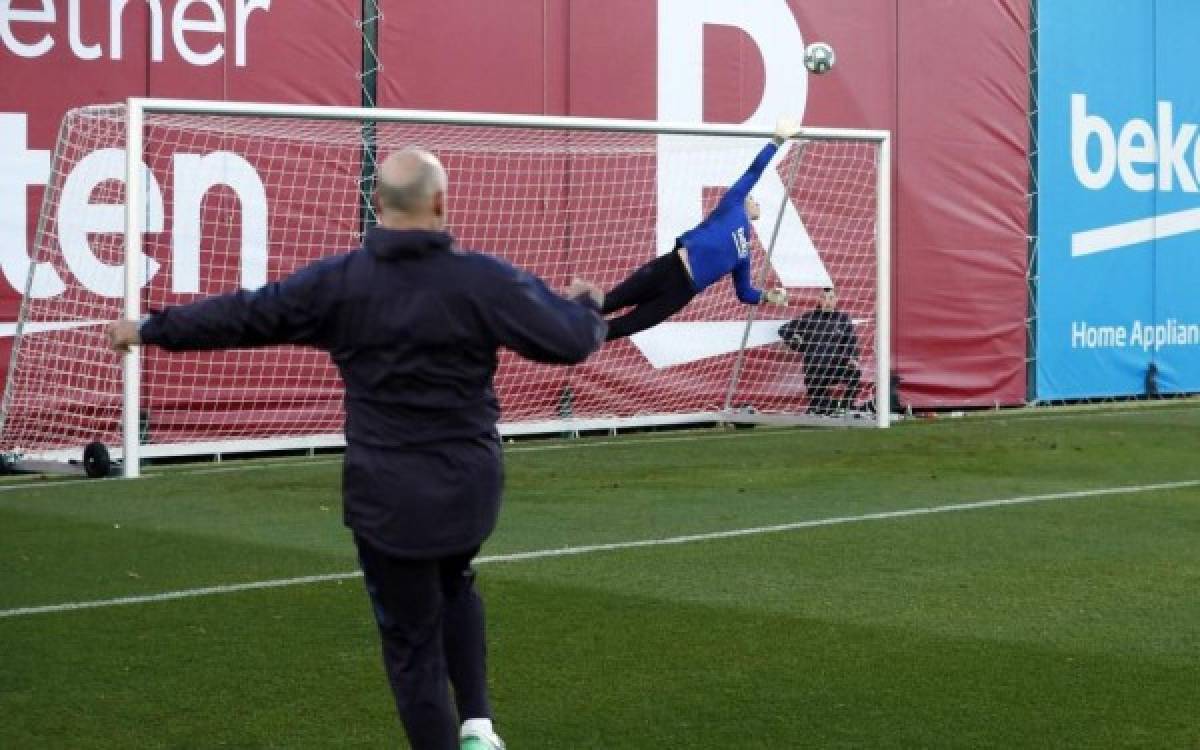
[[477, 734], [476, 740]]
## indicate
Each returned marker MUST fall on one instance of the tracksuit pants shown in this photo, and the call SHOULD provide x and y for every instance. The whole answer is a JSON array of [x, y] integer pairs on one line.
[[431, 624]]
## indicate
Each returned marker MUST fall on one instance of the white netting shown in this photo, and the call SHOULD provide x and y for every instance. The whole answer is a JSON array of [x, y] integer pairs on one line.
[[238, 201]]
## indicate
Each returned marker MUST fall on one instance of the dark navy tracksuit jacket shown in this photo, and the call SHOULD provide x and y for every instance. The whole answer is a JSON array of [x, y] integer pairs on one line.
[[413, 325]]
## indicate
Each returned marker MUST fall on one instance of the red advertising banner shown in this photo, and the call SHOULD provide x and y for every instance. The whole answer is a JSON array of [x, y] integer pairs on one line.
[[949, 80], [60, 54], [960, 131], [962, 178]]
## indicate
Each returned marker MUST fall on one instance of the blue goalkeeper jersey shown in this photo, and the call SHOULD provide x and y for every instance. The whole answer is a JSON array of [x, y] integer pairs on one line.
[[720, 244]]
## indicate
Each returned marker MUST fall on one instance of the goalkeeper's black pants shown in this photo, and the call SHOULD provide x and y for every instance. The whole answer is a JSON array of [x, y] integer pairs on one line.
[[431, 623], [656, 291]]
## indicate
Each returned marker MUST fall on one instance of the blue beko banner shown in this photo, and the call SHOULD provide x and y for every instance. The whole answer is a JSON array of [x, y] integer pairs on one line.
[[1118, 180]]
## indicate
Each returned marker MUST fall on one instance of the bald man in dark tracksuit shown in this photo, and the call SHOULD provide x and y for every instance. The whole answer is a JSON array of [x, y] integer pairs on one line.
[[413, 324]]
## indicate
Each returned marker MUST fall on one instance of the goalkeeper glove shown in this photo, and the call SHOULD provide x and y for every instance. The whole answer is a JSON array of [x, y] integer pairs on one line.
[[776, 296], [787, 127]]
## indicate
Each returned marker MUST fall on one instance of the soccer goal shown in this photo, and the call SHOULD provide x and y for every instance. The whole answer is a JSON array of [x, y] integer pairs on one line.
[[156, 202]]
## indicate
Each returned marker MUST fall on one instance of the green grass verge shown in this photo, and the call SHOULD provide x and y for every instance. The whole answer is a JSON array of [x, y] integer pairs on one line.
[[1065, 623]]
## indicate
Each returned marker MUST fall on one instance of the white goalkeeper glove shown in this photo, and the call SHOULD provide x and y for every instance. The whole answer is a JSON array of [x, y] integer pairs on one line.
[[786, 127], [776, 296], [584, 288]]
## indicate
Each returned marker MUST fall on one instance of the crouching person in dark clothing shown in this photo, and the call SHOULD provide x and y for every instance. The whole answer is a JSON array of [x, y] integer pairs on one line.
[[413, 324], [825, 336]]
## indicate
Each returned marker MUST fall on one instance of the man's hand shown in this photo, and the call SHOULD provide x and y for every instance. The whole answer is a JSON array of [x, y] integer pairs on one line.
[[122, 334], [785, 128], [776, 296], [583, 288]]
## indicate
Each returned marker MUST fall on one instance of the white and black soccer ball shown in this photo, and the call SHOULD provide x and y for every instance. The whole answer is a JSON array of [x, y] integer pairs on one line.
[[819, 57]]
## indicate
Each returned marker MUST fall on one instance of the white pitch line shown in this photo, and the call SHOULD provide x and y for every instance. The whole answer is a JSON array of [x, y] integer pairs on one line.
[[184, 594], [614, 546]]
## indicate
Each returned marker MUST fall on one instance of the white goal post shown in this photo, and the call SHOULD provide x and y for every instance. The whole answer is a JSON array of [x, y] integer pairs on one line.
[[159, 202]]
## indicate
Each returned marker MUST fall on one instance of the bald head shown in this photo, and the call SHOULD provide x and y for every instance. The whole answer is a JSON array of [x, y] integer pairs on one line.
[[412, 190]]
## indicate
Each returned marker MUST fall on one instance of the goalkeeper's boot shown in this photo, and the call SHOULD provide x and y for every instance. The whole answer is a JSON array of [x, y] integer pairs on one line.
[[479, 736]]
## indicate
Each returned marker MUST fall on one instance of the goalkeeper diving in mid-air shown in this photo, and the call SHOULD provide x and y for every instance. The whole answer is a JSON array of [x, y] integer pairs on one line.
[[716, 247]]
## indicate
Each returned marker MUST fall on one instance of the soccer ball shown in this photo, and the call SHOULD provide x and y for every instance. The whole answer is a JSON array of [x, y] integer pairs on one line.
[[819, 58]]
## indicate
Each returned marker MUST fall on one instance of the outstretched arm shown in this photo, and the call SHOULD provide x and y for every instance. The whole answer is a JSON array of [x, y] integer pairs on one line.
[[737, 192], [282, 312], [792, 333], [540, 325], [747, 293], [751, 295]]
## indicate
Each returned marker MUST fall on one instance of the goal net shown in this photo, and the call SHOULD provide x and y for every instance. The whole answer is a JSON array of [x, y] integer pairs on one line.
[[232, 197]]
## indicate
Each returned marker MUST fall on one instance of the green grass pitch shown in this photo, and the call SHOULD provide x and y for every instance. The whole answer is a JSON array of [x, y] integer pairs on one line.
[[877, 599]]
